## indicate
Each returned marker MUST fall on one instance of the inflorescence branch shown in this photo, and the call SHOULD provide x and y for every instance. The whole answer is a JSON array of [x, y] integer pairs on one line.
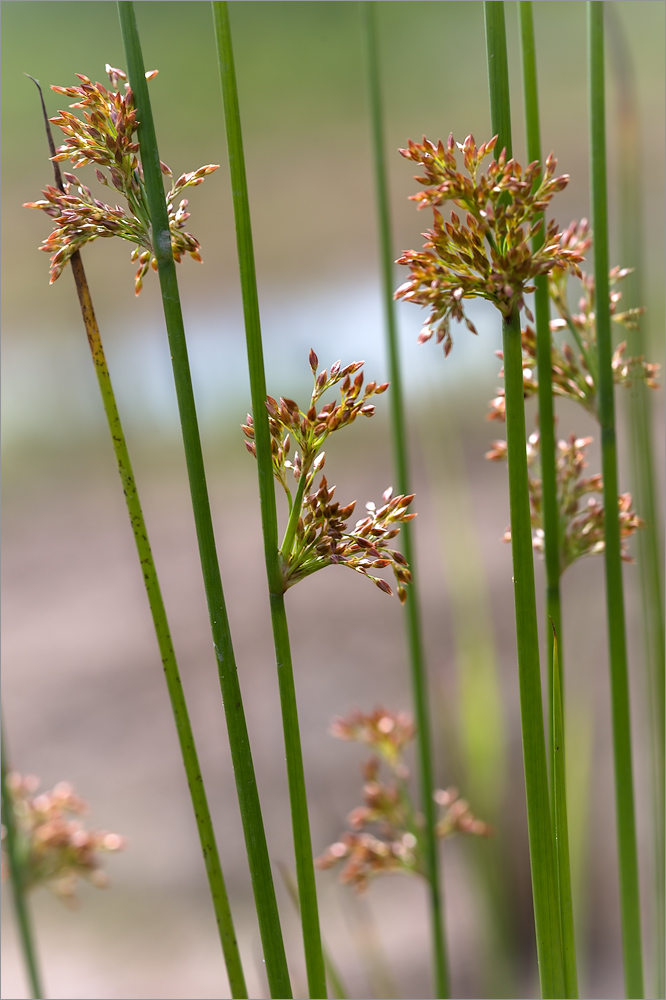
[[486, 252], [575, 377], [104, 138], [581, 531], [317, 534]]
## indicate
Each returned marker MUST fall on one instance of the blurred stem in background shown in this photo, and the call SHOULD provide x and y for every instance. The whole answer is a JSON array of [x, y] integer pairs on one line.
[[540, 831], [550, 507], [160, 622], [307, 891], [617, 643], [399, 437], [16, 875], [253, 828], [644, 490]]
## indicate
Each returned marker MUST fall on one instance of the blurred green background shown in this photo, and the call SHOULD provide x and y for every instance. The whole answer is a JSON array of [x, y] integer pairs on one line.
[[83, 694]]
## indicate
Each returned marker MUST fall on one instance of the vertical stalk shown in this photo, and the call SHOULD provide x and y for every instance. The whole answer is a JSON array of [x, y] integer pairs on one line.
[[550, 510], [295, 773], [16, 875], [561, 828], [171, 672], [541, 845], [338, 988], [542, 857], [401, 465], [644, 491], [617, 643], [253, 827], [158, 612]]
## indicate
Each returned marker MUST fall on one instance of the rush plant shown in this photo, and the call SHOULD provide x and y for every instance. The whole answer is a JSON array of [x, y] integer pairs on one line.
[[490, 236]]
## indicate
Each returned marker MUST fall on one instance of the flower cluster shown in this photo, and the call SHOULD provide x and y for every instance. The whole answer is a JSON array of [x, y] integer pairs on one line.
[[386, 832], [574, 373], [387, 733], [104, 138], [317, 533], [488, 253], [581, 528], [54, 848]]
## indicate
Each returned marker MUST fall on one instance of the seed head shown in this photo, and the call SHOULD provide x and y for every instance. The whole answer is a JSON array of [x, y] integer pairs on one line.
[[104, 137], [484, 250]]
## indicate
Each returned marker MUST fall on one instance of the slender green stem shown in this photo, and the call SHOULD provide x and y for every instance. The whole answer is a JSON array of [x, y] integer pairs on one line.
[[498, 75], [338, 988], [253, 827], [174, 685], [617, 642], [399, 438], [16, 874], [151, 582], [542, 858], [294, 514], [296, 777], [550, 511], [561, 826], [541, 844], [630, 211]]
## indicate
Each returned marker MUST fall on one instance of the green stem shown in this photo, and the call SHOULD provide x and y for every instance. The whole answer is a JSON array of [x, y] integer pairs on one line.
[[338, 988], [619, 680], [541, 844], [160, 623], [630, 210], [550, 507], [561, 826], [295, 773], [162, 632], [401, 465], [253, 827], [16, 873], [542, 858], [294, 514]]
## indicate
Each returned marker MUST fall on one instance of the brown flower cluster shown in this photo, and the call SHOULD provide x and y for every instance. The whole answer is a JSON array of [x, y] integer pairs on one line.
[[386, 832], [104, 138], [324, 539], [317, 533], [487, 253], [574, 372], [54, 848], [581, 526]]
